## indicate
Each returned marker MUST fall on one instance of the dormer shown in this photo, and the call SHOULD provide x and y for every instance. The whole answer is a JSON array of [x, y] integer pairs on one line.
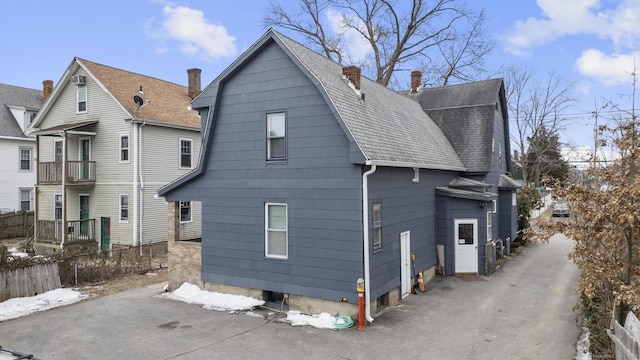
[[23, 116]]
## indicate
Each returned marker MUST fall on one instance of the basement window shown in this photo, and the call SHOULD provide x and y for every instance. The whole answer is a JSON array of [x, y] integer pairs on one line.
[[276, 299]]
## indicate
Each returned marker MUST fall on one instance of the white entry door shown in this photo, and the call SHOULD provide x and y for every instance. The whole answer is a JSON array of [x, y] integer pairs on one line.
[[466, 245], [405, 263]]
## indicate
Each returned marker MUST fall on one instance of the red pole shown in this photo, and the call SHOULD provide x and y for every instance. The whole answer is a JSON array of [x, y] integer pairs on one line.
[[360, 311]]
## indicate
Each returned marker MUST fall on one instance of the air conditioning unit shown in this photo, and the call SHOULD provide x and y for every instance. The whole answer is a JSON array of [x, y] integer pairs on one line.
[[78, 79]]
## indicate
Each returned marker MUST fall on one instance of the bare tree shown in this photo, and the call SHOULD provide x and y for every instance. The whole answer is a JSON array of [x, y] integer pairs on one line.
[[535, 108], [462, 57], [397, 33]]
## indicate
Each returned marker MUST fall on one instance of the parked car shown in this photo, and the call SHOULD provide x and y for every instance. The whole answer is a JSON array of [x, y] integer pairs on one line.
[[560, 208]]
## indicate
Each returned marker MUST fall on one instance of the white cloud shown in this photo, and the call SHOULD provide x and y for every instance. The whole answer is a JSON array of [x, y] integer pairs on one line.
[[573, 17], [607, 69], [356, 46], [194, 33]]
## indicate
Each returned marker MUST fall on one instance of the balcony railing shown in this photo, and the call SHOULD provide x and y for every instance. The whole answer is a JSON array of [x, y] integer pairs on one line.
[[78, 231], [78, 173]]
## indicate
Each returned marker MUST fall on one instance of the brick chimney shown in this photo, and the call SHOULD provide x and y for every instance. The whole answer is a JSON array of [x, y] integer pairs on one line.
[[416, 81], [353, 74], [194, 82], [47, 88]]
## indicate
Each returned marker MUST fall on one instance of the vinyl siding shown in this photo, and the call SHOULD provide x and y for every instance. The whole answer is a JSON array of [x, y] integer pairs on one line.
[[321, 188], [113, 177], [405, 207], [14, 179]]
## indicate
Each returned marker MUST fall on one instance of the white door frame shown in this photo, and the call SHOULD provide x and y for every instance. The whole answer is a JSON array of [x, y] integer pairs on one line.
[[466, 250], [405, 263]]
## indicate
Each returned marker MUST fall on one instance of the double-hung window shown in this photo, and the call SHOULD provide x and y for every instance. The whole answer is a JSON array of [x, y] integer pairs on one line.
[[276, 136], [25, 199], [25, 159], [185, 153], [57, 150], [82, 100], [124, 148], [57, 206], [124, 208], [276, 243], [377, 226], [185, 211]]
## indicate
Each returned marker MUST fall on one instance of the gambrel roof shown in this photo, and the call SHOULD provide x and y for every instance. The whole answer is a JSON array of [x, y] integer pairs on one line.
[[165, 103], [466, 114], [383, 127], [389, 129], [16, 97]]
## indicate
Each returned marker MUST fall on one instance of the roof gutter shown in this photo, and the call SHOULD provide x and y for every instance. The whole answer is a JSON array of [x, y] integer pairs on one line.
[[400, 164], [16, 138], [365, 240], [163, 124]]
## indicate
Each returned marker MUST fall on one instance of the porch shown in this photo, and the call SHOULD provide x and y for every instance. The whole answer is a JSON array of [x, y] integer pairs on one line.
[[79, 232], [78, 173]]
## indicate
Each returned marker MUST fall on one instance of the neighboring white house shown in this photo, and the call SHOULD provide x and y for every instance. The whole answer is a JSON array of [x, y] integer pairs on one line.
[[18, 107], [107, 139]]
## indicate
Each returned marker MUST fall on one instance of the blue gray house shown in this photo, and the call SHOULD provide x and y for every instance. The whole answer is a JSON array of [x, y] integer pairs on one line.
[[312, 176]]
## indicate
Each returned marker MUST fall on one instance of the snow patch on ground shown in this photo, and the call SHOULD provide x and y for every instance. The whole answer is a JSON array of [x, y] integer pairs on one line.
[[18, 307], [582, 351], [192, 294]]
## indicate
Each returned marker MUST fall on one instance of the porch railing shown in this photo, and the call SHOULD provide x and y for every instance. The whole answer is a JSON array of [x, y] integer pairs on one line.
[[77, 231], [78, 172]]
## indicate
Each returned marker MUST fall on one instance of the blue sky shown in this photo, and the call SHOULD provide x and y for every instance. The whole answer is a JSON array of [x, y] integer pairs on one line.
[[591, 43]]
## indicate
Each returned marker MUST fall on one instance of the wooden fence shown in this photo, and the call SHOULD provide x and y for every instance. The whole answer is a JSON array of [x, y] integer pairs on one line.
[[29, 281], [16, 225], [626, 339]]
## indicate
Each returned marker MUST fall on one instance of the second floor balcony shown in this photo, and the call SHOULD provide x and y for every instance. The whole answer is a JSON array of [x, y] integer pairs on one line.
[[78, 173]]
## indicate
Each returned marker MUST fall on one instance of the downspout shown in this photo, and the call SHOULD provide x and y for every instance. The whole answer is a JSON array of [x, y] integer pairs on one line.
[[64, 188], [365, 228], [135, 185], [140, 173]]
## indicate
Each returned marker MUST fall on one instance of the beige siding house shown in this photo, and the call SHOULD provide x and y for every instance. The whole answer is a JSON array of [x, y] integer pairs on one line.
[[107, 139]]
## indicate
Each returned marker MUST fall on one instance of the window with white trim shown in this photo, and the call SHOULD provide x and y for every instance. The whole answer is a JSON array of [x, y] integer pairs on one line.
[[185, 153], [377, 226], [494, 206], [185, 211], [124, 148], [276, 229], [57, 206], [124, 208], [493, 152], [276, 136], [489, 226], [81, 100], [500, 154], [25, 199], [25, 159], [57, 150]]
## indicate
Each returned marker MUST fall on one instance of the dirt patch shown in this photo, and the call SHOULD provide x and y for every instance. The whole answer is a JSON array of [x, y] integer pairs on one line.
[[159, 273], [126, 282]]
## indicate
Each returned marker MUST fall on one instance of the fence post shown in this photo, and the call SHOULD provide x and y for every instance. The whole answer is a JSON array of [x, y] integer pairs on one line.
[[4, 254]]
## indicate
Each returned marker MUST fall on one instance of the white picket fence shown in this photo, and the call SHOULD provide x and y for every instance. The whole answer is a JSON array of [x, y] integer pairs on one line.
[[626, 339]]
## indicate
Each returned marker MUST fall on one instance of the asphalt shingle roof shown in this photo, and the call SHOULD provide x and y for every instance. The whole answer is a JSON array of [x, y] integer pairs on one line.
[[164, 101], [466, 115], [388, 127], [16, 96]]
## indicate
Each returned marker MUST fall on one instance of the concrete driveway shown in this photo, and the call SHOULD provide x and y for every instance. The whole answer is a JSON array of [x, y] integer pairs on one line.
[[522, 311]]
